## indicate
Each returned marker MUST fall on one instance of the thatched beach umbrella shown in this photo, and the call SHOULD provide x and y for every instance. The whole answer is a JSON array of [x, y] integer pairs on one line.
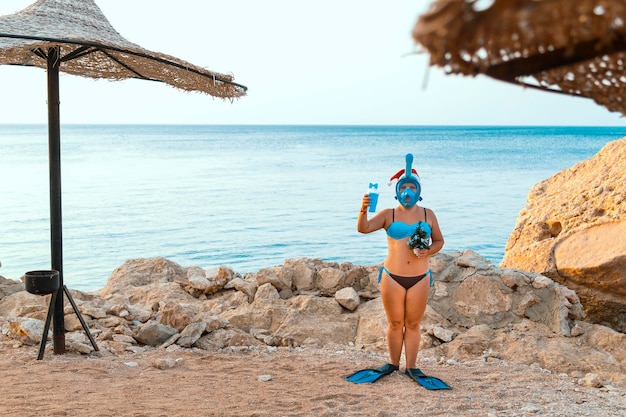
[[75, 37], [563, 46]]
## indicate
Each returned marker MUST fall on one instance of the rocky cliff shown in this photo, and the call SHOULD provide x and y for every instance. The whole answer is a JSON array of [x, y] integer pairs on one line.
[[573, 230]]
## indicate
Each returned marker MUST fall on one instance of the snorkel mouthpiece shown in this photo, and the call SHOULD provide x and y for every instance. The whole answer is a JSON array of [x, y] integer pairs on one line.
[[408, 197]]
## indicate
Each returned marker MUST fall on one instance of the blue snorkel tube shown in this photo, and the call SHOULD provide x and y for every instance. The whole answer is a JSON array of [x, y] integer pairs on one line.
[[407, 197]]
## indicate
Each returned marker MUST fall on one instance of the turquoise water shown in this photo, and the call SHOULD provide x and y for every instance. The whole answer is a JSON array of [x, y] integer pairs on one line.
[[252, 196]]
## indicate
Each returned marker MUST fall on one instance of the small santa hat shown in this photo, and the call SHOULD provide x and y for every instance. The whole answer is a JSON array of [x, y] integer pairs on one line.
[[398, 174]]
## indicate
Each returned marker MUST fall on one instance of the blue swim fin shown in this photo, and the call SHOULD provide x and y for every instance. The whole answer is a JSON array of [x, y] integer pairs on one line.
[[371, 375], [428, 382]]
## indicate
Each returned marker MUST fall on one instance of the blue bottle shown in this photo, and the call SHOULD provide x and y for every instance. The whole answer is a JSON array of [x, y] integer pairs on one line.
[[373, 192]]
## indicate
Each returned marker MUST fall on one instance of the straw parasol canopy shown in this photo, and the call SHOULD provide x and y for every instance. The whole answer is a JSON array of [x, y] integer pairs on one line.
[[564, 46], [91, 47], [75, 37]]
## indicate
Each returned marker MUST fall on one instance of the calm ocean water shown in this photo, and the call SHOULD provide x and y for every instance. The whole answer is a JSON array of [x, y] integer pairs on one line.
[[252, 196]]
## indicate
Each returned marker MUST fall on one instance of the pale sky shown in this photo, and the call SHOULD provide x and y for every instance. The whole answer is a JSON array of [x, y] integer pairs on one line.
[[304, 62]]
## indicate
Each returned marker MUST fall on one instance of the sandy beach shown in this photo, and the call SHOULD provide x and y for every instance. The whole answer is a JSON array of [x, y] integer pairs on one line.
[[281, 382]]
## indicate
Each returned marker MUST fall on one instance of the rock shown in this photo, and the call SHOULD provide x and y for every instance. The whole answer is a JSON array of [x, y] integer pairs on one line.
[[474, 342], [281, 277], [261, 314], [24, 304], [530, 408], [212, 321], [247, 287], [372, 325], [267, 291], [478, 294], [78, 343], [154, 333], [9, 286], [89, 309], [164, 363], [470, 259], [348, 298], [177, 315], [169, 342], [330, 280], [26, 330], [445, 335], [577, 330], [513, 279], [191, 334], [207, 282], [542, 282], [72, 322], [140, 272], [482, 295], [591, 380], [123, 338], [197, 280], [319, 316], [225, 301], [222, 338], [528, 300], [357, 277], [129, 312], [303, 278], [572, 230], [111, 321]]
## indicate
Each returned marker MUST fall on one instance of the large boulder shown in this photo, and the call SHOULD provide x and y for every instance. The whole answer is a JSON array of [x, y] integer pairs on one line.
[[145, 282], [470, 291], [573, 230], [136, 273]]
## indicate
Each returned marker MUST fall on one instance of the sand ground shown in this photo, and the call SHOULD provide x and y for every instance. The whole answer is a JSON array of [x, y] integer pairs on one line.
[[304, 382]]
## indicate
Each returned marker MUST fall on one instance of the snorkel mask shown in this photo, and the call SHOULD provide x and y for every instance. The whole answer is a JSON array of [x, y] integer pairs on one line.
[[406, 196]]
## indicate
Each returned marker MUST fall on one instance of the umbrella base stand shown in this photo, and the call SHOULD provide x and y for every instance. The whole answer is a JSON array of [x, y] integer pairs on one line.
[[46, 327]]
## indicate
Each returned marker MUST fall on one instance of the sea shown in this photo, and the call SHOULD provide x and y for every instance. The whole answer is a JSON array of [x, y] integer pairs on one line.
[[250, 197]]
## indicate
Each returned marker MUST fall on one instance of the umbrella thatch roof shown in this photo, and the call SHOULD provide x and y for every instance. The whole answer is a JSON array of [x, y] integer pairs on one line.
[[91, 47], [574, 47]]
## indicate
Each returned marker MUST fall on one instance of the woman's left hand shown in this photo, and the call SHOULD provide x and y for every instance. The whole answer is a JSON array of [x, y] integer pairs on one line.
[[421, 253]]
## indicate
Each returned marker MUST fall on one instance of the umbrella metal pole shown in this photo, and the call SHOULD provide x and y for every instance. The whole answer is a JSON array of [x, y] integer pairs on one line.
[[54, 156]]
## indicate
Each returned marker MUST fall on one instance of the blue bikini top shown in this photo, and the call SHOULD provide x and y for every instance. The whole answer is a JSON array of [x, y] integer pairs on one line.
[[401, 230]]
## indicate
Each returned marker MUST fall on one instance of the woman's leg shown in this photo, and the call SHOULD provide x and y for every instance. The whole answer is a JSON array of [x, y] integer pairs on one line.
[[393, 295], [415, 307]]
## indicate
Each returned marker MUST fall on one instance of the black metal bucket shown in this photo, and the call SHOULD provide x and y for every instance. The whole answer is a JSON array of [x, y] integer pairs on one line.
[[42, 282]]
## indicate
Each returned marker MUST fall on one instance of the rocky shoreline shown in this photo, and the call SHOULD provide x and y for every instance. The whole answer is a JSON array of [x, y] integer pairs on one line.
[[476, 312], [182, 341]]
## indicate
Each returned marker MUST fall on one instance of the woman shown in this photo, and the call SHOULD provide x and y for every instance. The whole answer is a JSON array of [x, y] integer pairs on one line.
[[403, 277]]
